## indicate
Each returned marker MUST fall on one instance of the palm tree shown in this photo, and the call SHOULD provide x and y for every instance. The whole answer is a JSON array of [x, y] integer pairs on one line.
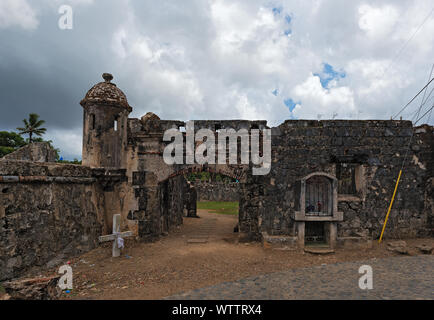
[[32, 126]]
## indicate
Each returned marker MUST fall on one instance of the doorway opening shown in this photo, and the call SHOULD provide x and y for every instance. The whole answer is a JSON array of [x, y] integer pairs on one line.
[[217, 203], [315, 233]]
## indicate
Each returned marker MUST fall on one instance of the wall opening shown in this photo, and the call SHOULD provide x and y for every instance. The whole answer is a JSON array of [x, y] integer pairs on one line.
[[217, 204], [315, 233], [318, 196], [346, 175], [92, 121]]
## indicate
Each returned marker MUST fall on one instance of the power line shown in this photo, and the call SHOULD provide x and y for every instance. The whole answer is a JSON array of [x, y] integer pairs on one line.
[[430, 75], [412, 132], [424, 102], [413, 98], [413, 113], [432, 68], [405, 45], [430, 109], [408, 41]]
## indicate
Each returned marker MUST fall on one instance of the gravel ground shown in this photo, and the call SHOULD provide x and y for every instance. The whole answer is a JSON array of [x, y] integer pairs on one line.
[[393, 278], [173, 265]]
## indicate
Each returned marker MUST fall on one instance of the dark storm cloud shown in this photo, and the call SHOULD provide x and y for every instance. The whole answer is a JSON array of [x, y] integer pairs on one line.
[[48, 70], [220, 59]]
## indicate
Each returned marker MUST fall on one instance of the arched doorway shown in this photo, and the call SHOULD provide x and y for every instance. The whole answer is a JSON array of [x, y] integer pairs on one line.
[[201, 192], [317, 215]]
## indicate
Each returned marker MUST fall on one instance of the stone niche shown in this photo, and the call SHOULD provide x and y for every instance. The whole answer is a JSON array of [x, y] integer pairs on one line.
[[316, 213]]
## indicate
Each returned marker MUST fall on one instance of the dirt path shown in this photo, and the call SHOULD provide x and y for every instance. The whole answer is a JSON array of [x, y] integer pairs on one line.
[[393, 278], [174, 264]]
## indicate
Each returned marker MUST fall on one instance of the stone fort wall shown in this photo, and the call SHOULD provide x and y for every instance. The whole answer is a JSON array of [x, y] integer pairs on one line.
[[368, 152], [47, 213], [217, 191]]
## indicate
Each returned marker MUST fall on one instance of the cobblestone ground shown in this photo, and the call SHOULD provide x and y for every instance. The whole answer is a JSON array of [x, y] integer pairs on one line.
[[393, 278]]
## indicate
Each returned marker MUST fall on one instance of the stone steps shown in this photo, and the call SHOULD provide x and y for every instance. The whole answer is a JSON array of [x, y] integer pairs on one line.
[[202, 234]]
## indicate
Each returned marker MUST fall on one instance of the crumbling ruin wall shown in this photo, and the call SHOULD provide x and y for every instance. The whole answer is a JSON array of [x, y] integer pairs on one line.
[[36, 151], [47, 213], [217, 191], [375, 149], [160, 205], [173, 193]]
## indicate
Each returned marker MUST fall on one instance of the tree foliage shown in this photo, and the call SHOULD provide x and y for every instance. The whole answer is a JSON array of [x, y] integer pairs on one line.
[[9, 142], [32, 126], [207, 176]]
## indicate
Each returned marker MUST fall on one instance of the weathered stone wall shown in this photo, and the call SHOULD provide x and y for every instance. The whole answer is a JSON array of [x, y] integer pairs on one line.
[[36, 151], [47, 213], [360, 161], [173, 193], [160, 206], [375, 149], [371, 151], [217, 191]]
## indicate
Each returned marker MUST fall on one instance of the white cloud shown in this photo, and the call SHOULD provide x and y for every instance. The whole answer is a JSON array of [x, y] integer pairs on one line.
[[17, 13], [318, 100], [377, 21], [244, 55], [223, 59], [373, 78]]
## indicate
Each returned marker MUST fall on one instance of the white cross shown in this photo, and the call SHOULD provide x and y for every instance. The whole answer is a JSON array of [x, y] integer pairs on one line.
[[117, 236]]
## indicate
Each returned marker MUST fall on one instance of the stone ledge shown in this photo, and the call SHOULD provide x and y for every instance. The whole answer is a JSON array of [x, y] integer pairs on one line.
[[29, 168], [314, 250], [353, 242], [45, 179], [348, 198], [298, 216], [278, 241]]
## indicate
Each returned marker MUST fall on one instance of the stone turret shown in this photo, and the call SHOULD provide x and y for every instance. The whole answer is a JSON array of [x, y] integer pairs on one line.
[[105, 117]]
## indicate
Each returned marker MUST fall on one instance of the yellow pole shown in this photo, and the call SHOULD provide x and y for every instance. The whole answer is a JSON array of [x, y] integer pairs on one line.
[[390, 206]]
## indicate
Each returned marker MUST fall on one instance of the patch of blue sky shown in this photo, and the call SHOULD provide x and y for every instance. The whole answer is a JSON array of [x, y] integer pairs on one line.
[[277, 10], [328, 74], [290, 104], [288, 19]]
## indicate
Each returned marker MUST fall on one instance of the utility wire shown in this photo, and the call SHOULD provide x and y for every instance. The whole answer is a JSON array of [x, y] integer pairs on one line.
[[405, 45], [408, 41], [413, 98], [427, 100], [412, 131], [429, 110], [432, 68], [417, 117], [430, 75]]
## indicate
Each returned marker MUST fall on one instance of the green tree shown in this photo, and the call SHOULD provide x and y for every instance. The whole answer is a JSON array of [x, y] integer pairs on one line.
[[32, 126], [9, 142]]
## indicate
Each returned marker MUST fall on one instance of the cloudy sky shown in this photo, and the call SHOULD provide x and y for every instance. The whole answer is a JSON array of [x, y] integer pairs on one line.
[[214, 59]]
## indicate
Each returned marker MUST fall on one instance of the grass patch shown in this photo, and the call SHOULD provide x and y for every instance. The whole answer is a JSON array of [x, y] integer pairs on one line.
[[220, 207], [2, 290]]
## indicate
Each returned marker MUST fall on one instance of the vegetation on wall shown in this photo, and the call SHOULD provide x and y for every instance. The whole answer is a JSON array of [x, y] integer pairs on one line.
[[11, 141], [209, 176]]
